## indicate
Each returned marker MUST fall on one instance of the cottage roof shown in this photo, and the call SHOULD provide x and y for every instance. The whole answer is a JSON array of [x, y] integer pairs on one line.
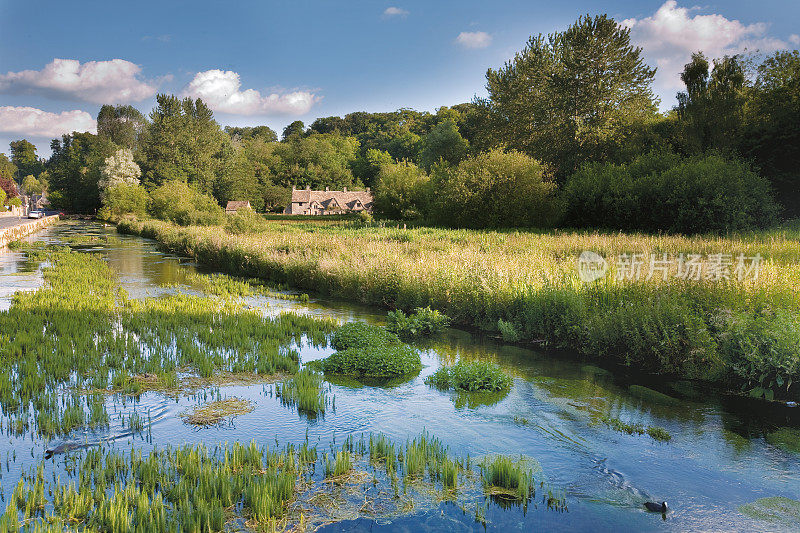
[[342, 199], [235, 205]]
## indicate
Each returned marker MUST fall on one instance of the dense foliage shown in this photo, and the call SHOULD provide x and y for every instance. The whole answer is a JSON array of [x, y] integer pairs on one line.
[[470, 376], [423, 321]]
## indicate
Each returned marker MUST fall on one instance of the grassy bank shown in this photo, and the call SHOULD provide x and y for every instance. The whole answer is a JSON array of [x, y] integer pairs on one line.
[[525, 285]]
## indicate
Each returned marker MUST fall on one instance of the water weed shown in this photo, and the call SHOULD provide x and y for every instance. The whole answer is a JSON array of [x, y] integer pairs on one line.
[[471, 376], [655, 432], [213, 413], [422, 322], [305, 391]]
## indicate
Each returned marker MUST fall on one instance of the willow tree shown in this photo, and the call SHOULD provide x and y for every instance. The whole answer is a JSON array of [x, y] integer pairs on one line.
[[569, 96]]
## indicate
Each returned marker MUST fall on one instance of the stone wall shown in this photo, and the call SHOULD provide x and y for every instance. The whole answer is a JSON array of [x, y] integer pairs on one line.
[[19, 231]]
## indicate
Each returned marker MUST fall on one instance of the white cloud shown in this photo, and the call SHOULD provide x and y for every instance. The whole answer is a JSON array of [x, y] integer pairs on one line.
[[474, 39], [670, 35], [34, 122], [100, 82], [395, 12], [794, 39], [221, 90]]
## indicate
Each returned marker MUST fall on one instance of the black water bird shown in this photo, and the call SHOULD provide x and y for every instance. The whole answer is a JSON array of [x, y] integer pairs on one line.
[[656, 507]]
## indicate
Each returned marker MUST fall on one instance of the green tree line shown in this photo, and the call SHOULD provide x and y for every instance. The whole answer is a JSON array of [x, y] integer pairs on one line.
[[570, 133]]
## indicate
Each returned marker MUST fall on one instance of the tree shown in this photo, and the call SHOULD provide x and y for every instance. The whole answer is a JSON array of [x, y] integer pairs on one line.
[[567, 96], [74, 171], [184, 143], [367, 166], [329, 125], [711, 109], [8, 170], [492, 190], [119, 169], [295, 129], [317, 160], [124, 125], [771, 135], [31, 185], [443, 143], [23, 155], [400, 191], [185, 205], [124, 199], [249, 133]]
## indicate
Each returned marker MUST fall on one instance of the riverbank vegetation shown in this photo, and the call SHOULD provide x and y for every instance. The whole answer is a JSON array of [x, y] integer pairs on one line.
[[742, 334]]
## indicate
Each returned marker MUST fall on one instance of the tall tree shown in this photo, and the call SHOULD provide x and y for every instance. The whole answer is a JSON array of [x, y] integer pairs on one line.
[[295, 129], [74, 171], [443, 143], [23, 155], [184, 143], [567, 96], [124, 125]]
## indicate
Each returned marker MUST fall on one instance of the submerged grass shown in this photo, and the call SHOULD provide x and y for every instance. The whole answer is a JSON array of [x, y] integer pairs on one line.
[[744, 334], [305, 391], [80, 331], [655, 432], [195, 488]]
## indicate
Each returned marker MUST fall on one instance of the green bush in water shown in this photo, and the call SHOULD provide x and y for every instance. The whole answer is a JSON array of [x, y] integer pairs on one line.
[[471, 376], [424, 321], [359, 335], [381, 361]]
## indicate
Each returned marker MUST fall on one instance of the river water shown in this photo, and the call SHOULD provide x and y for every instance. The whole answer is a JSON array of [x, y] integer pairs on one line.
[[719, 457]]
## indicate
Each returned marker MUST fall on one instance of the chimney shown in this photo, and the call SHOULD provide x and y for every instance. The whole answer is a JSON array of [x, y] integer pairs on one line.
[[327, 189], [308, 187], [344, 189], [367, 189]]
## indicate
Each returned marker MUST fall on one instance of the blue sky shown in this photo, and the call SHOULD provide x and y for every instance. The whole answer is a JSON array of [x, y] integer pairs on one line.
[[268, 62]]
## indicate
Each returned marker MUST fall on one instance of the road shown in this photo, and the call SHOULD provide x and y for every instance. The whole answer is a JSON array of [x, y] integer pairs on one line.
[[10, 222]]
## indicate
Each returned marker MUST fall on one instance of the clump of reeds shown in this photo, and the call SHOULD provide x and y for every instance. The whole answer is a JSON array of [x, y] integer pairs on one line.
[[470, 376], [305, 391], [215, 412]]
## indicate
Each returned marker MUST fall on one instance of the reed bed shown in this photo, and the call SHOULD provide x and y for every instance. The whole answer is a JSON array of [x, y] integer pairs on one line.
[[81, 333], [195, 488], [305, 390], [526, 283]]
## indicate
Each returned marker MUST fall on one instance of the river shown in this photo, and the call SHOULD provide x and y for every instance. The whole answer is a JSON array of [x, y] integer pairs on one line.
[[719, 457]]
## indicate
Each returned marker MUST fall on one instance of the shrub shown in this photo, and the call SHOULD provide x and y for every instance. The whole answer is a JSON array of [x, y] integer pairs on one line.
[[660, 191], [495, 189], [424, 321], [764, 351], [245, 221], [400, 191], [471, 377], [180, 203], [360, 335], [379, 361], [122, 200]]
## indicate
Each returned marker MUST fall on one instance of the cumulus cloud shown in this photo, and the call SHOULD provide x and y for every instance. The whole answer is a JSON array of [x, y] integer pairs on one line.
[[794, 39], [101, 82], [395, 12], [474, 39], [221, 90], [30, 121], [671, 34]]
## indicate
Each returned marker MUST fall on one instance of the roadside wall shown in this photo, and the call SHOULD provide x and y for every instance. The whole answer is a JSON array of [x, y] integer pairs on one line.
[[17, 232]]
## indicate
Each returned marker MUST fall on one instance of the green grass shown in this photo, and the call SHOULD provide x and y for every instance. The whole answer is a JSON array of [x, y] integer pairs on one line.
[[423, 322], [472, 376], [305, 391], [525, 285], [655, 432], [82, 333]]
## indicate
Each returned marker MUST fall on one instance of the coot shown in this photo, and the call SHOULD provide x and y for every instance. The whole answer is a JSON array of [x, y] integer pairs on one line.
[[656, 507]]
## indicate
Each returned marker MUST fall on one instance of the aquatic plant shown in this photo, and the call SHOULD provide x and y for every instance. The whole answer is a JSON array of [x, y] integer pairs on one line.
[[656, 432], [213, 413], [360, 335], [423, 321], [382, 361], [471, 376], [305, 391]]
